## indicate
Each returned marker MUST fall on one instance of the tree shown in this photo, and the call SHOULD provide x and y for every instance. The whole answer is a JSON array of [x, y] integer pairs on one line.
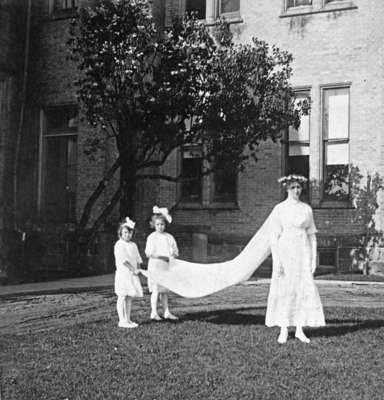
[[365, 192], [140, 86]]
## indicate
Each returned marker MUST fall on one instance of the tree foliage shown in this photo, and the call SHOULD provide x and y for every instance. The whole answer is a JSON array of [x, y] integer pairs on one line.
[[190, 84]]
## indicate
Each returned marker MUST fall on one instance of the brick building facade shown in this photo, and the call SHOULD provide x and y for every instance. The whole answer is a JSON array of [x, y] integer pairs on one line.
[[338, 65]]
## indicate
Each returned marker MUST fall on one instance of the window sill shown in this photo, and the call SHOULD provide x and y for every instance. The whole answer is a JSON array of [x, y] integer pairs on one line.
[[331, 7], [217, 205], [234, 19], [64, 14], [332, 204]]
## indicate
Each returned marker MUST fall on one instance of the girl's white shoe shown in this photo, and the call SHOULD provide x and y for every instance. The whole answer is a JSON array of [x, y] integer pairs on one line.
[[155, 317], [128, 325], [169, 315]]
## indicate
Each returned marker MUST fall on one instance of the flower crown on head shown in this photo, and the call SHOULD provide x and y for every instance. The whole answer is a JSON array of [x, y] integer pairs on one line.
[[128, 223], [285, 180], [162, 211]]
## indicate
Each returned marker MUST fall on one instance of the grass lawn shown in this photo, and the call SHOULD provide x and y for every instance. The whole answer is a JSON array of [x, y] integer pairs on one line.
[[352, 277], [210, 354]]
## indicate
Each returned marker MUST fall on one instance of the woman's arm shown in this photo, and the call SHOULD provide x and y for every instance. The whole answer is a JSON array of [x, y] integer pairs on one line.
[[313, 242], [275, 232]]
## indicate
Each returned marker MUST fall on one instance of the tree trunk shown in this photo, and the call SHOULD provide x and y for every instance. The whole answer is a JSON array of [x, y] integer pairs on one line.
[[128, 174]]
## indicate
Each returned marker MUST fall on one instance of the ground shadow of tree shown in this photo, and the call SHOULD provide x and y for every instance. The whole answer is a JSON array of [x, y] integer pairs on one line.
[[241, 316]]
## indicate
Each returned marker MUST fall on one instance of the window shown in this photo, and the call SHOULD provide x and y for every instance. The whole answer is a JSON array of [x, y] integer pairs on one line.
[[298, 3], [191, 168], [336, 143], [196, 6], [229, 8], [59, 5], [60, 164], [63, 8], [298, 145], [225, 183], [210, 10]]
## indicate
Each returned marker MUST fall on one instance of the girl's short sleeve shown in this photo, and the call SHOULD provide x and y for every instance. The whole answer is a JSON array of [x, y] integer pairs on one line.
[[311, 229], [149, 247]]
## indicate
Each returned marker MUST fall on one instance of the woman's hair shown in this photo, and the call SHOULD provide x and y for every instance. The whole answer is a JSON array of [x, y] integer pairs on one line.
[[287, 180], [154, 217], [287, 185], [120, 228]]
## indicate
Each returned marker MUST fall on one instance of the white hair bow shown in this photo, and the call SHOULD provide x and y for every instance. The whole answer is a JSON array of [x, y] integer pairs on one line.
[[164, 212], [129, 223]]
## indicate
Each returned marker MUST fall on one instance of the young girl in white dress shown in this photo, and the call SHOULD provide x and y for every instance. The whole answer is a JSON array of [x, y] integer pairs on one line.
[[127, 282], [293, 298], [161, 249]]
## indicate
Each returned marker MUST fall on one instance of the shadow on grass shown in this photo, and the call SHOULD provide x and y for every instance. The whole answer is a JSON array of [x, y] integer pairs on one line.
[[335, 327], [229, 317], [341, 328]]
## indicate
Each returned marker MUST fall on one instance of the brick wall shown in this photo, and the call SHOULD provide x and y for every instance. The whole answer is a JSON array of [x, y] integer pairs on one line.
[[329, 47]]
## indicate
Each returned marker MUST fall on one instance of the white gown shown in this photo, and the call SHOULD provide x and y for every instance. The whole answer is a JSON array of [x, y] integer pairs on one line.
[[303, 303], [196, 280], [293, 298], [159, 244], [127, 283]]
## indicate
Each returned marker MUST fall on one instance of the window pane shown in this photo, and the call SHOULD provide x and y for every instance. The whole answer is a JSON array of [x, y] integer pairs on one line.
[[336, 113], [337, 153], [298, 150], [61, 120], [196, 6], [336, 182], [297, 3], [225, 185], [191, 174], [60, 178], [228, 6], [64, 4], [299, 164], [225, 182], [301, 134]]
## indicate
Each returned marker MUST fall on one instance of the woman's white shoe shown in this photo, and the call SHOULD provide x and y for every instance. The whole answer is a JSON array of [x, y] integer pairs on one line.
[[301, 336], [283, 337]]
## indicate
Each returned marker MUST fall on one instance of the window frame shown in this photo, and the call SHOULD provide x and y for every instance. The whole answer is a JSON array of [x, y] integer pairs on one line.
[[304, 91], [213, 11], [42, 176], [229, 15], [182, 198], [326, 202], [64, 12], [288, 7], [217, 200]]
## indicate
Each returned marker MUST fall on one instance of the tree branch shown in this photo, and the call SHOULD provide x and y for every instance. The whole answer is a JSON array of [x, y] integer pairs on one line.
[[159, 176], [96, 194], [101, 219]]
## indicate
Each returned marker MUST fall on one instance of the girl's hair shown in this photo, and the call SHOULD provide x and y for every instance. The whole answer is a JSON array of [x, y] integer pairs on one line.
[[154, 217], [120, 228]]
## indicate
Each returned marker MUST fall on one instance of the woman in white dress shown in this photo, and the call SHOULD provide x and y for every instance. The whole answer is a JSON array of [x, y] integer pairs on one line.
[[293, 298]]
